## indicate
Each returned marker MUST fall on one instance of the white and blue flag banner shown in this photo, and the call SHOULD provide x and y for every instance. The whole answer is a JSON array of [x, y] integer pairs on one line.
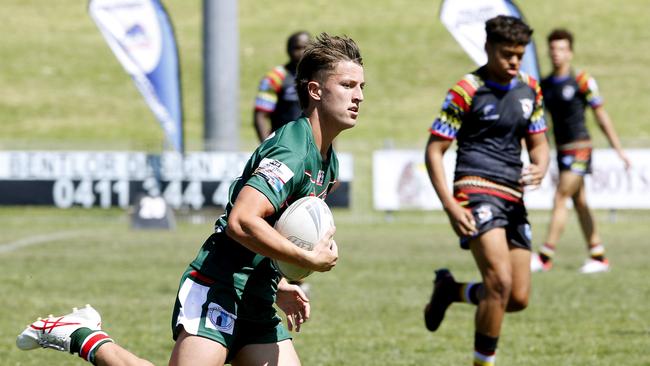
[[465, 20], [140, 35]]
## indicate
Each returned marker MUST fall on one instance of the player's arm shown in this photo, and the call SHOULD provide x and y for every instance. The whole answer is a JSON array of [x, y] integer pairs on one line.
[[461, 220], [606, 125], [538, 152], [262, 123], [294, 303], [265, 103], [246, 225]]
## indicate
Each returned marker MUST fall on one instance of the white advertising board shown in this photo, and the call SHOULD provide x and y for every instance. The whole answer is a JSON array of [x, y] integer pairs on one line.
[[400, 181]]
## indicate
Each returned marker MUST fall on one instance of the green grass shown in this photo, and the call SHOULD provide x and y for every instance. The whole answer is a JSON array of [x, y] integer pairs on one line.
[[61, 88], [367, 311]]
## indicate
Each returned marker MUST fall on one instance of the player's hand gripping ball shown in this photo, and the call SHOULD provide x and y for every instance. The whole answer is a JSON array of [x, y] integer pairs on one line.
[[304, 223]]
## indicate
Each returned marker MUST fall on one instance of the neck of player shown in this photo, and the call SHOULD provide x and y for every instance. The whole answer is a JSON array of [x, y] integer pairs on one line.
[[323, 136], [562, 70]]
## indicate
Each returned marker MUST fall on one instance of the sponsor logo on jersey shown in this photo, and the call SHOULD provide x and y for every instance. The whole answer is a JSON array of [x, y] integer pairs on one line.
[[489, 113], [220, 319], [484, 213], [526, 107], [275, 172], [568, 92]]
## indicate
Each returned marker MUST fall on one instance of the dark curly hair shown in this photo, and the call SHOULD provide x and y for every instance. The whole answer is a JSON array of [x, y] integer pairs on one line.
[[560, 34], [507, 29]]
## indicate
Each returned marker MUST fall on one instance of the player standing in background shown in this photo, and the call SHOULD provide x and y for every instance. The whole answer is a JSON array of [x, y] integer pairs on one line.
[[224, 307], [566, 95], [276, 102], [489, 112]]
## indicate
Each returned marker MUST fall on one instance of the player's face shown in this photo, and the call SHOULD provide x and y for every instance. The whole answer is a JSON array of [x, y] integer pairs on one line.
[[295, 53], [560, 53], [341, 93], [504, 60]]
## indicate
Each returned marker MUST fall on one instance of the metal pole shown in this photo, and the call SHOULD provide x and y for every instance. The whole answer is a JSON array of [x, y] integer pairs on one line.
[[220, 75]]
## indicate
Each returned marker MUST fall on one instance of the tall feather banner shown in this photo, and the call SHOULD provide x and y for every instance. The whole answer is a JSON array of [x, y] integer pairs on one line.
[[141, 36], [465, 20]]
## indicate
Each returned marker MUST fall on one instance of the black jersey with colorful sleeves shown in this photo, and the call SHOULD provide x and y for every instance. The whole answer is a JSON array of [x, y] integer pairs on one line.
[[566, 99], [489, 120], [278, 96]]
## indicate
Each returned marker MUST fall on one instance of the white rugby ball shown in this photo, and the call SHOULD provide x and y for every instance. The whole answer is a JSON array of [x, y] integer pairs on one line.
[[304, 223]]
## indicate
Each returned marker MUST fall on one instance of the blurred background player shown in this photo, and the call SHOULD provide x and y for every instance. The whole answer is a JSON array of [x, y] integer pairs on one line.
[[276, 102], [489, 112], [566, 95], [224, 310]]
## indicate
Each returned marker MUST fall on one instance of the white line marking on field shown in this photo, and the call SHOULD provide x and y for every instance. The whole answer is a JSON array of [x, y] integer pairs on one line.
[[36, 240]]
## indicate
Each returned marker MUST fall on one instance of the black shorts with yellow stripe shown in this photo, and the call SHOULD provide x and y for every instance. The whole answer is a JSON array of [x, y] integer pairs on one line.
[[575, 157]]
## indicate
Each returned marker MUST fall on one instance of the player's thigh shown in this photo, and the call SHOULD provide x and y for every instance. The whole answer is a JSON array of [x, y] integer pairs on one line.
[[191, 350], [520, 263], [491, 253], [569, 183], [271, 354]]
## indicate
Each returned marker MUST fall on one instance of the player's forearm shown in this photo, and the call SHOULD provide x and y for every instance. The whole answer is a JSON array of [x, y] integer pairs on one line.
[[436, 170], [606, 125], [256, 234], [538, 151], [261, 121]]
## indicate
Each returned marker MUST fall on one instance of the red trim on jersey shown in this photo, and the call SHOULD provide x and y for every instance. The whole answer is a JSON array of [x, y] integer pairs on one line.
[[468, 87], [260, 109], [436, 133], [583, 81], [491, 192], [201, 277], [540, 131], [458, 100]]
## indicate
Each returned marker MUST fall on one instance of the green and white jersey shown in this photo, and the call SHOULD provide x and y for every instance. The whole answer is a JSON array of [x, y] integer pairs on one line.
[[285, 167]]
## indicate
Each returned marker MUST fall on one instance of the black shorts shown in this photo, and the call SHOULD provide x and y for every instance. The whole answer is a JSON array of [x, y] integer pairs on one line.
[[492, 212], [576, 160]]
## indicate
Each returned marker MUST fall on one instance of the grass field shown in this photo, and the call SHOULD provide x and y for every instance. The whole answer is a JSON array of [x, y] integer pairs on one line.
[[367, 311], [62, 89]]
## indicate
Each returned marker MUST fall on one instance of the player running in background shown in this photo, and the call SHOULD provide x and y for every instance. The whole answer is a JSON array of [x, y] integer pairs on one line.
[[276, 102], [566, 95], [489, 112], [224, 307]]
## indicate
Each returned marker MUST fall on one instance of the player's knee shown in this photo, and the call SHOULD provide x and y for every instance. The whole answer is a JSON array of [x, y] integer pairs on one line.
[[498, 288], [579, 202], [518, 302], [561, 195]]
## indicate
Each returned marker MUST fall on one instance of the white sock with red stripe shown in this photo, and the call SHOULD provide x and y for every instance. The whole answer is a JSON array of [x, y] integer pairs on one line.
[[86, 342]]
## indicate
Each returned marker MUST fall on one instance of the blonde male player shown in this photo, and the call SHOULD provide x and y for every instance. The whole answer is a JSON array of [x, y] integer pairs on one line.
[[224, 307]]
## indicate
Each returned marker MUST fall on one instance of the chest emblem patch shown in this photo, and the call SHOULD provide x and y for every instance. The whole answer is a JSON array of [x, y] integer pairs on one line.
[[526, 107], [568, 92]]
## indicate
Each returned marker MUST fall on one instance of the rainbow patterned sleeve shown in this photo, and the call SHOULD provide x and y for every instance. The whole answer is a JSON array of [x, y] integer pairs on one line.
[[457, 102], [537, 123], [268, 90], [589, 88]]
